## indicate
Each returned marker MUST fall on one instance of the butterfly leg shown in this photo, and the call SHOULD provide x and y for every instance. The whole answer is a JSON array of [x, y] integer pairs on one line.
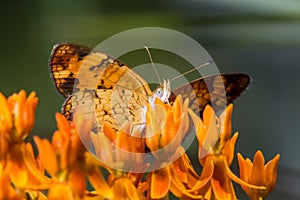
[[137, 129]]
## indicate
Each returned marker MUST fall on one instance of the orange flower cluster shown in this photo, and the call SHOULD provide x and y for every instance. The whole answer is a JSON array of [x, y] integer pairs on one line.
[[64, 169]]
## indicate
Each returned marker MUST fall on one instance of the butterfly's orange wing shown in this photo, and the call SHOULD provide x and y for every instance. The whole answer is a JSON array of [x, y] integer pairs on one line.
[[65, 61], [119, 89], [212, 90]]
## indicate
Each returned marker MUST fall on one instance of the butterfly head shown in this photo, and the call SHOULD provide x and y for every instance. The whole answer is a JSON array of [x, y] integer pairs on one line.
[[163, 92]]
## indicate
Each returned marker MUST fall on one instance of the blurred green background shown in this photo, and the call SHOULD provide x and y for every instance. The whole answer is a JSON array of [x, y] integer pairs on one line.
[[261, 38]]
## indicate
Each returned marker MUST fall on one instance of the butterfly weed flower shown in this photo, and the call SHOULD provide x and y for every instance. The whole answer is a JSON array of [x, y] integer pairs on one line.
[[114, 148], [216, 152], [166, 127], [166, 124], [19, 171], [63, 166], [119, 149], [17, 115], [64, 160], [257, 173], [20, 175]]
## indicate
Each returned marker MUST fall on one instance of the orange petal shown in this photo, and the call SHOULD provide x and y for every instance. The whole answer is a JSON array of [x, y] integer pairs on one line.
[[228, 149], [212, 131], [23, 110], [159, 102], [258, 175], [200, 134], [57, 140], [198, 126], [19, 106], [159, 116], [169, 131], [103, 147], [32, 98], [132, 191], [4, 146], [109, 132], [63, 125], [181, 165], [177, 107], [185, 116], [18, 174], [23, 171], [244, 184], [148, 114], [245, 168], [221, 182], [58, 190], [220, 192], [271, 173], [82, 125], [152, 140], [207, 132], [179, 189], [31, 103], [96, 178], [129, 143], [185, 171], [124, 189], [208, 115], [66, 158], [225, 123], [160, 183], [206, 175], [37, 178], [5, 185], [30, 149], [77, 179], [5, 115], [47, 155]]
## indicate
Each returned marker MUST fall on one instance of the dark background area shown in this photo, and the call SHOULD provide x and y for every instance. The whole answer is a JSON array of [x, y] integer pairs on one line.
[[261, 38]]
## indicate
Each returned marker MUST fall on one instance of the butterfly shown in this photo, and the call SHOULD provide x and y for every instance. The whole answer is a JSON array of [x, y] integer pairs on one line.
[[120, 95]]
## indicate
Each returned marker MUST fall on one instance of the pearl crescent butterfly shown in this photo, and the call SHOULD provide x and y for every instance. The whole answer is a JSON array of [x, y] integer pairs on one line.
[[133, 91]]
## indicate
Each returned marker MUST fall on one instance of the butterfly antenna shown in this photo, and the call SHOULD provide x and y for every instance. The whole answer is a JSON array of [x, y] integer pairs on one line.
[[154, 68], [189, 71]]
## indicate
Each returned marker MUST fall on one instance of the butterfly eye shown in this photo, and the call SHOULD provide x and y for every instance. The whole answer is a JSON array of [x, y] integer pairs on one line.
[[159, 92]]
